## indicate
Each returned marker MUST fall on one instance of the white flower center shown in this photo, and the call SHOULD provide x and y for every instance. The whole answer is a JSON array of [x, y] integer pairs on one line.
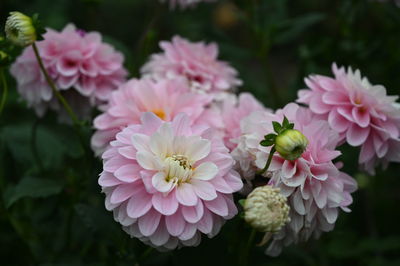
[[178, 169]]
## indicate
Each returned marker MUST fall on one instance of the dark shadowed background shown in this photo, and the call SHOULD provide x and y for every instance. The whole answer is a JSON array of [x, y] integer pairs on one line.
[[51, 209]]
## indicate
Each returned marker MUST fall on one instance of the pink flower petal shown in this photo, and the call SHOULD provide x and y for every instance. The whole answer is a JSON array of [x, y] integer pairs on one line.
[[356, 135], [205, 171], [149, 222], [188, 232], [148, 161], [185, 195], [108, 180], [193, 214], [361, 117], [122, 193], [175, 224], [205, 225], [338, 122], [160, 237], [218, 206], [160, 183], [204, 190], [165, 204], [128, 173], [139, 204]]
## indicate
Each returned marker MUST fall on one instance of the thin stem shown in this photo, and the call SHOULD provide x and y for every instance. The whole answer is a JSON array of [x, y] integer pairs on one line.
[[5, 90], [34, 148], [140, 47], [248, 248], [54, 88], [262, 171], [145, 254]]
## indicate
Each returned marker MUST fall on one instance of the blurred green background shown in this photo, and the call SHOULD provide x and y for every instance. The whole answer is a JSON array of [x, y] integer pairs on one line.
[[51, 209]]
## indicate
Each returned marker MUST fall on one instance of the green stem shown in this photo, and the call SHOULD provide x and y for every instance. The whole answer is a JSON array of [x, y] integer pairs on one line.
[[34, 148], [5, 90], [142, 44], [271, 154], [54, 88], [145, 254], [247, 248]]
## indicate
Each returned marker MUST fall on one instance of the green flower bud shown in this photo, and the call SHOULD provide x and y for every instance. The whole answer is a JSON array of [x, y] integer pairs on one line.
[[291, 144], [20, 29], [266, 210], [3, 55]]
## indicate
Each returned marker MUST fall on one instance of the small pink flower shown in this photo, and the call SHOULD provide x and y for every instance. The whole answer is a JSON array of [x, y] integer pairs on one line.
[[165, 98], [79, 63], [363, 114], [315, 187], [234, 109], [185, 3], [168, 182], [196, 62]]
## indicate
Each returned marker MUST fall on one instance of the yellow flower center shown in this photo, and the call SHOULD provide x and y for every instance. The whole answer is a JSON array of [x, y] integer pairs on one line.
[[160, 113], [178, 169]]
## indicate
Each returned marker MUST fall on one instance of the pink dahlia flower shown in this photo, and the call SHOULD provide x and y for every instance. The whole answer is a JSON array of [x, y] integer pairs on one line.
[[196, 62], [361, 113], [168, 182], [185, 3], [313, 184], [165, 98], [234, 109], [80, 64]]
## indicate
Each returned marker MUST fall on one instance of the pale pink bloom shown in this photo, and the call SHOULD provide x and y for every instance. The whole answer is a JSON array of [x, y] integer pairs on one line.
[[315, 188], [79, 63], [363, 114], [185, 3], [234, 109], [168, 182], [165, 98], [196, 62]]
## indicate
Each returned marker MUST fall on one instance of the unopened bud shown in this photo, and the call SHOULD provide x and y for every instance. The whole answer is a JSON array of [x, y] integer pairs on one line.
[[291, 144], [20, 29], [4, 59], [266, 210]]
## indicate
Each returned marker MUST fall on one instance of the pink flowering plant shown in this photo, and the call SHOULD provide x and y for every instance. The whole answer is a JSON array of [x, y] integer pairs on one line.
[[178, 138]]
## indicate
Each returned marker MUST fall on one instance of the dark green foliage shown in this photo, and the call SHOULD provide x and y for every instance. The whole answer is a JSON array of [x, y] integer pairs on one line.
[[51, 207], [32, 187]]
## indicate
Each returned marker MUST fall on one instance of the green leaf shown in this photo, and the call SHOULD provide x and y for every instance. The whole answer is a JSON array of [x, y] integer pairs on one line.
[[277, 127], [241, 202], [270, 136], [40, 30], [285, 123], [289, 30], [51, 143], [32, 187], [96, 219], [267, 143], [290, 126]]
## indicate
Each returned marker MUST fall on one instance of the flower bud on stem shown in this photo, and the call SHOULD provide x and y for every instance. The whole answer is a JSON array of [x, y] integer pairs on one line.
[[288, 142]]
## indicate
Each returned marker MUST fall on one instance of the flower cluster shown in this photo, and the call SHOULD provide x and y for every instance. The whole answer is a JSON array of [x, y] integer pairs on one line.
[[313, 184], [165, 98], [361, 113], [168, 182], [177, 142], [84, 69], [168, 176], [196, 62]]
